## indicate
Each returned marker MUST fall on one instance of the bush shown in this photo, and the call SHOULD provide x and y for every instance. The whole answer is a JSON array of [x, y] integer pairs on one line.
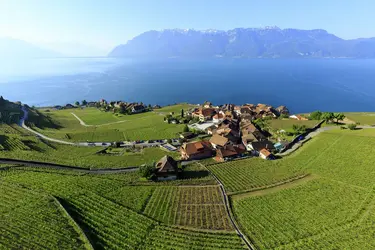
[[352, 126], [316, 115], [147, 170]]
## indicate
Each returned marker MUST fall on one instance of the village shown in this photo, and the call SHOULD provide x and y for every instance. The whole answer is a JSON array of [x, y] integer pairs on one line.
[[231, 134]]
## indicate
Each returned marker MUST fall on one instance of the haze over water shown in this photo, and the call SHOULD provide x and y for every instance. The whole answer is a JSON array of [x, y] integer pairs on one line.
[[301, 84]]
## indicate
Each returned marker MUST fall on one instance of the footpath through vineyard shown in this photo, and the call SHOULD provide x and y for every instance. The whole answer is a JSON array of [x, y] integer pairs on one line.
[[229, 211]]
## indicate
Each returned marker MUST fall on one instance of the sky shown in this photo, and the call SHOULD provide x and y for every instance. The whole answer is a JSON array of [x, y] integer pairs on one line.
[[106, 23]]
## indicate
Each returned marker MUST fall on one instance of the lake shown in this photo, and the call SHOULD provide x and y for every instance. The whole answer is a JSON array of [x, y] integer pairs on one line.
[[301, 84]]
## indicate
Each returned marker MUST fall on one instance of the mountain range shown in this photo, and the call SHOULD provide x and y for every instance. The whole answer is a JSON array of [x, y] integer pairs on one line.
[[268, 42], [14, 48]]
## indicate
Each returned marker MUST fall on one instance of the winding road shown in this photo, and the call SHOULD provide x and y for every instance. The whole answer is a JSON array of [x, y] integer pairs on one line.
[[65, 167]]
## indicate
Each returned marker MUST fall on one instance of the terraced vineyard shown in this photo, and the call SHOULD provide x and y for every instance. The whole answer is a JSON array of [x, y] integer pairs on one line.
[[109, 210], [199, 207], [332, 208], [35, 220]]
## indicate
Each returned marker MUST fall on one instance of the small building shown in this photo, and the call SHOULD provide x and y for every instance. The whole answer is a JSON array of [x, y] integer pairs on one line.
[[186, 135], [265, 154], [256, 146], [57, 107], [218, 141], [91, 104], [280, 145], [207, 105], [283, 110], [138, 109], [167, 169], [229, 152], [156, 107], [218, 118], [69, 106], [196, 150], [298, 117]]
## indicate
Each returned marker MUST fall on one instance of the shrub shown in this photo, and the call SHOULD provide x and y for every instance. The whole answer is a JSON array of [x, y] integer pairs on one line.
[[147, 170], [352, 126]]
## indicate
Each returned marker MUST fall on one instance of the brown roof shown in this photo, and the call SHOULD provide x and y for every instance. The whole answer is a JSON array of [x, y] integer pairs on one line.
[[218, 116], [196, 147], [249, 138], [230, 150], [248, 128], [207, 112], [219, 140], [265, 152], [166, 164], [259, 145]]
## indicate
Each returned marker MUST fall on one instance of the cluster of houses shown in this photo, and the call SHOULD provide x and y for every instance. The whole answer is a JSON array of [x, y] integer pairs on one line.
[[233, 133], [120, 106]]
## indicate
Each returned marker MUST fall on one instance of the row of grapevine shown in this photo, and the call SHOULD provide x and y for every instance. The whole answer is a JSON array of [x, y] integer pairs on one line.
[[199, 207], [34, 220]]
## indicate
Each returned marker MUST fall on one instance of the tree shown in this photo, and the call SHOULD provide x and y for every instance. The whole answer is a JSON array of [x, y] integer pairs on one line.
[[316, 115], [2, 101], [77, 103], [182, 113], [352, 126], [339, 117], [327, 116], [147, 170], [84, 103], [186, 128]]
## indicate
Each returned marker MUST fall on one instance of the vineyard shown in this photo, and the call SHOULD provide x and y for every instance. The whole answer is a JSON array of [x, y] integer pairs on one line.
[[296, 215], [333, 210], [199, 207], [109, 209], [33, 219]]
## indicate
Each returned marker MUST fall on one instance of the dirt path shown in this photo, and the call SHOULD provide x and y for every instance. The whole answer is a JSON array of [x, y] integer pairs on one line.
[[276, 188], [229, 211], [87, 125], [64, 167]]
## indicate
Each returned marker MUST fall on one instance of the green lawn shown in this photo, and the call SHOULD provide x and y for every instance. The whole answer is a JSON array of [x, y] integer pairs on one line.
[[328, 210], [144, 126], [364, 118], [287, 124]]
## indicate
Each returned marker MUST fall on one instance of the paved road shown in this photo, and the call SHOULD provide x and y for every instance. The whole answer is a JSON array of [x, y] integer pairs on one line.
[[89, 144], [313, 134], [229, 211], [64, 167]]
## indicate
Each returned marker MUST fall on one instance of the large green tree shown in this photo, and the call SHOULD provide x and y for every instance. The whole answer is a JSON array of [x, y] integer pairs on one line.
[[84, 102], [77, 103], [339, 117], [328, 116], [316, 115]]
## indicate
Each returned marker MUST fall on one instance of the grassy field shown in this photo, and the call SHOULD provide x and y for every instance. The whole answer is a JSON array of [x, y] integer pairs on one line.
[[287, 124], [364, 118], [144, 126], [329, 206], [14, 144], [111, 210]]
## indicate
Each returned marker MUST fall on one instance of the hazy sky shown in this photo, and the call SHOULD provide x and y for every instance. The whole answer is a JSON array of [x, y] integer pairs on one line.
[[106, 23]]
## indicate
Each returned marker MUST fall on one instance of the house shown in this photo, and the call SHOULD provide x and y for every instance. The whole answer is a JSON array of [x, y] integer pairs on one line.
[[211, 130], [91, 104], [280, 145], [205, 114], [256, 146], [219, 141], [69, 106], [237, 110], [166, 169], [229, 152], [138, 109], [57, 107], [283, 110], [298, 117], [186, 135], [248, 128], [207, 105], [218, 118], [247, 139], [156, 107], [196, 150], [265, 154]]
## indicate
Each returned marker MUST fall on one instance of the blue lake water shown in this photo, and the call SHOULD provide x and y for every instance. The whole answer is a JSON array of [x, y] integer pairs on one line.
[[301, 84]]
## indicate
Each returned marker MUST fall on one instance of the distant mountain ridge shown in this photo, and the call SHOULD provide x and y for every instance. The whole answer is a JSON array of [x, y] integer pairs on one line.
[[14, 48], [268, 42]]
